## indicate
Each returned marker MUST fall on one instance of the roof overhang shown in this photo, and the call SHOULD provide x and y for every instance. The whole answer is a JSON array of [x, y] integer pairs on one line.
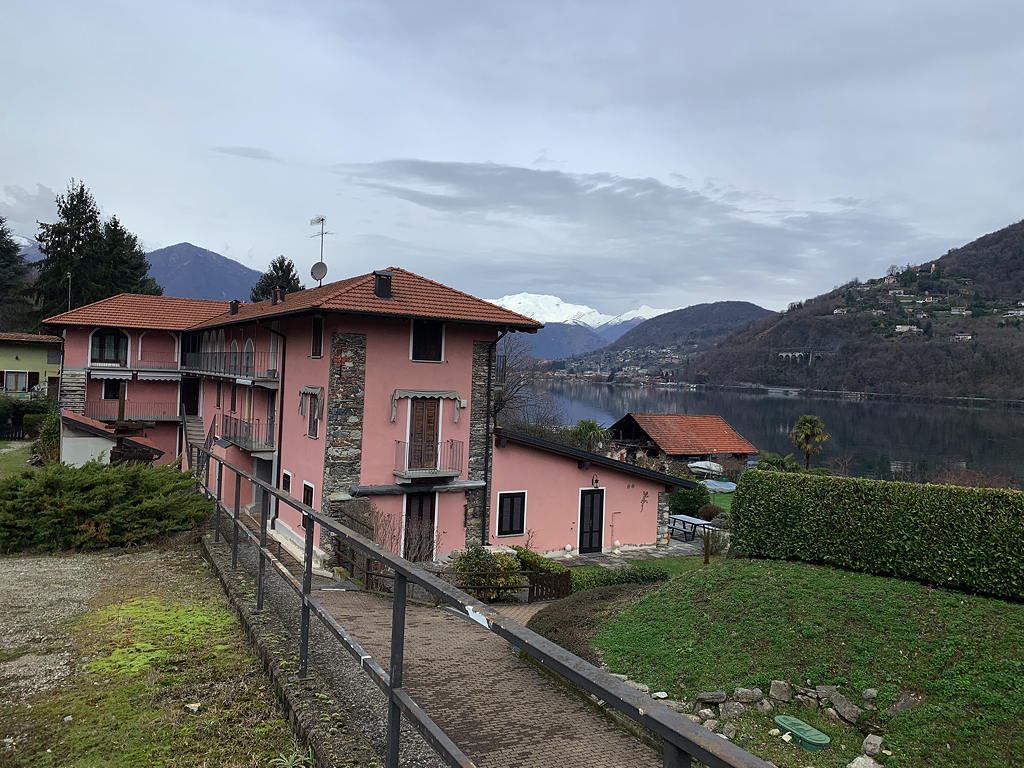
[[362, 313]]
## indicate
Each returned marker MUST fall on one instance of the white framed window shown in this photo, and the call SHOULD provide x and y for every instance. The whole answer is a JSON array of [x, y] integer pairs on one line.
[[316, 343], [112, 389], [108, 346], [308, 491], [286, 481], [15, 381], [311, 406], [426, 341], [511, 513]]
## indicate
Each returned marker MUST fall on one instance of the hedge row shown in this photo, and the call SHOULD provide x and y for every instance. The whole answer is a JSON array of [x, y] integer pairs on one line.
[[96, 505], [590, 578], [533, 562], [967, 538]]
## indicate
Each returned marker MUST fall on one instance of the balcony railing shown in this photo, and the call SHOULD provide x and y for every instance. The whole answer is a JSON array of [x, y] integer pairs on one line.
[[107, 410], [162, 365], [250, 435], [252, 365], [423, 459]]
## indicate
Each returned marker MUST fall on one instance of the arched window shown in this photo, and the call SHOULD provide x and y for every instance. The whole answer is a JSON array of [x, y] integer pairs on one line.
[[220, 343], [109, 346], [233, 358], [249, 357]]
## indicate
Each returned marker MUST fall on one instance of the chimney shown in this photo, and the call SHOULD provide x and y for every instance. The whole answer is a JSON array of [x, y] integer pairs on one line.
[[275, 296], [382, 284], [233, 308], [283, 291]]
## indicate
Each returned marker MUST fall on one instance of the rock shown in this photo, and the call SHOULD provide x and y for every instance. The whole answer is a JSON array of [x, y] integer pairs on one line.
[[806, 701], [712, 697], [780, 690], [678, 706], [832, 715], [807, 692], [869, 694], [764, 706], [706, 714], [639, 686], [659, 695], [774, 732], [847, 710], [824, 691], [68, 718], [711, 724], [906, 700], [194, 707], [872, 745], [693, 718], [887, 752], [864, 762], [729, 731], [729, 710], [747, 695]]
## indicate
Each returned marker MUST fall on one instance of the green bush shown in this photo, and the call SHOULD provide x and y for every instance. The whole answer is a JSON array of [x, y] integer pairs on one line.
[[483, 573], [32, 423], [533, 562], [709, 512], [96, 505], [967, 538], [14, 409], [588, 577], [47, 444], [686, 501]]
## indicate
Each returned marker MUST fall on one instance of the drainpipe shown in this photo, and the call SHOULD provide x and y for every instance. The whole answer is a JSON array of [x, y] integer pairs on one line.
[[489, 431], [283, 357]]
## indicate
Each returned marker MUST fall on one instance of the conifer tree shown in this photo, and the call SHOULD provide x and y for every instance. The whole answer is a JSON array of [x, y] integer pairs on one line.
[[280, 274], [13, 276], [126, 265]]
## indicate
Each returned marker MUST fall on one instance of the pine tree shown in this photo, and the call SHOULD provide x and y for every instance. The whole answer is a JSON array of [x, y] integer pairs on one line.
[[280, 274], [13, 276], [102, 259]]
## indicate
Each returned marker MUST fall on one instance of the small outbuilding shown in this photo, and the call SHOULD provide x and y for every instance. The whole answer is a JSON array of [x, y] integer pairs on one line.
[[681, 436]]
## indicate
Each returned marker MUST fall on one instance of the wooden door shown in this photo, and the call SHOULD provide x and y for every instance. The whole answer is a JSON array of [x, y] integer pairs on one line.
[[591, 519], [418, 538], [423, 433]]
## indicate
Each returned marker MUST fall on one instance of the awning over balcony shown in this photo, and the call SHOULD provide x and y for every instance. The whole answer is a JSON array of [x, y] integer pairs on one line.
[[159, 376], [110, 374], [439, 395]]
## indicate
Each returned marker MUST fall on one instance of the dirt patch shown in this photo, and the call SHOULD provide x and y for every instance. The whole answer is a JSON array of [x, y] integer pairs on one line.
[[574, 620]]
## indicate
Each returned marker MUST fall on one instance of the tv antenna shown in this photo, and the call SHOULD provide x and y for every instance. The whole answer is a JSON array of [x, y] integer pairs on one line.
[[321, 221]]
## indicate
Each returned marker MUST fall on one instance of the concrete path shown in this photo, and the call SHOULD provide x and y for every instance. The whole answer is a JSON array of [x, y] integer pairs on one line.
[[497, 707]]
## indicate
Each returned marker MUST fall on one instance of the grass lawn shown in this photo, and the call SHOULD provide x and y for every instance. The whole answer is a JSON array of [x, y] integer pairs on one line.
[[745, 623], [723, 500], [143, 651], [13, 456]]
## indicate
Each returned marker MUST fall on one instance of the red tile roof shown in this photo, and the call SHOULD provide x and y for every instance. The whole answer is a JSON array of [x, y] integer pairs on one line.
[[680, 434], [97, 427], [37, 338], [412, 296], [133, 310]]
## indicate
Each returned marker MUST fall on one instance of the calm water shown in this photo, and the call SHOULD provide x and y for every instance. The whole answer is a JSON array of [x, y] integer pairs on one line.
[[879, 439]]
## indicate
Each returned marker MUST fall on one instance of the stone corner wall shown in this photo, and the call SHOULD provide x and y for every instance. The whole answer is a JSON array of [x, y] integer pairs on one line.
[[72, 391], [343, 423], [664, 535], [477, 499]]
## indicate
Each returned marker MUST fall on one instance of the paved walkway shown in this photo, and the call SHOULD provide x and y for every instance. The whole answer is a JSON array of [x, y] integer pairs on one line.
[[498, 708], [675, 548]]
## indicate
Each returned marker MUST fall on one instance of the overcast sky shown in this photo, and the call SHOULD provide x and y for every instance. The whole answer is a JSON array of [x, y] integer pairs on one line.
[[614, 154]]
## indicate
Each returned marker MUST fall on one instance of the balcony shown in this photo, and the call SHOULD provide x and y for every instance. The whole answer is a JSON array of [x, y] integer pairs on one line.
[[414, 461], [107, 410], [251, 365], [253, 436]]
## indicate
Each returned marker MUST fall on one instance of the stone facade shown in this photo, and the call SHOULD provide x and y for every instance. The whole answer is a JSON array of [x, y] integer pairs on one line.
[[72, 390], [343, 431], [664, 533], [479, 442]]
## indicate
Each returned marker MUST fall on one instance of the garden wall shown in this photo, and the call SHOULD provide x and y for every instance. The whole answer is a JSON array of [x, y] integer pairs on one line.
[[966, 538]]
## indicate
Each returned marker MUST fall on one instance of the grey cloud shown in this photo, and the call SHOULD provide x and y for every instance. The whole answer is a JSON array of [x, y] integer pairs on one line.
[[24, 209], [249, 153]]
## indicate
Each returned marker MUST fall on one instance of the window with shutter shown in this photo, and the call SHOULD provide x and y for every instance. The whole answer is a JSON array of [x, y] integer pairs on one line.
[[427, 341], [512, 513]]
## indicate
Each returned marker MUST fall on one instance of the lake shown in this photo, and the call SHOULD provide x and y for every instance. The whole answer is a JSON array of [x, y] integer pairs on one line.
[[876, 439]]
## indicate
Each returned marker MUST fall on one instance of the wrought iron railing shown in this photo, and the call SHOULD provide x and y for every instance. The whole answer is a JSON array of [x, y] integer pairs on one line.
[[423, 459], [252, 365], [251, 435], [682, 740], [134, 410]]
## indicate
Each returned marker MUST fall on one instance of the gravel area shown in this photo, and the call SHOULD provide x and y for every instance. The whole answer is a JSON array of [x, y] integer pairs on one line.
[[39, 595]]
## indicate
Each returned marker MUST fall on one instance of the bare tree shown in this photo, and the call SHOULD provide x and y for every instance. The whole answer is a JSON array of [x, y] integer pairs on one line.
[[516, 402]]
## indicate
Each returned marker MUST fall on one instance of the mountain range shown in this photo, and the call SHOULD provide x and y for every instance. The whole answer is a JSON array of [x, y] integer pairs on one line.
[[949, 327], [197, 273]]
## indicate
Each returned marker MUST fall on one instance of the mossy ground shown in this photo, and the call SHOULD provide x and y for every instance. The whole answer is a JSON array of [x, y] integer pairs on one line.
[[13, 456], [144, 651]]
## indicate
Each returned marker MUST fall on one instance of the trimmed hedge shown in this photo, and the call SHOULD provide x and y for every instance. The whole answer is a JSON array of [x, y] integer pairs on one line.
[[96, 505], [592, 577], [533, 562], [966, 538]]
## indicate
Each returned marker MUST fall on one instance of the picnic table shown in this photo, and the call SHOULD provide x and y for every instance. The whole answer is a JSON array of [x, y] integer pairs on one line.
[[688, 526]]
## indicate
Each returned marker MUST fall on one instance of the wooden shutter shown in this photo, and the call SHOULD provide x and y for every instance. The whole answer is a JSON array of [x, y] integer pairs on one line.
[[423, 434]]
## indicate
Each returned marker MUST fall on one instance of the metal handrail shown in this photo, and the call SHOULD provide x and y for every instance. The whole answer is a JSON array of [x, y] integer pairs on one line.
[[253, 365], [134, 410], [442, 457], [681, 738]]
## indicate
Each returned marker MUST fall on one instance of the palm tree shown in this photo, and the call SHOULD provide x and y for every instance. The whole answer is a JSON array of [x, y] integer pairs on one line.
[[807, 435], [589, 435]]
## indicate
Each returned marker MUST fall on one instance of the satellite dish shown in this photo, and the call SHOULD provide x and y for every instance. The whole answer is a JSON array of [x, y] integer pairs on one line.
[[319, 271]]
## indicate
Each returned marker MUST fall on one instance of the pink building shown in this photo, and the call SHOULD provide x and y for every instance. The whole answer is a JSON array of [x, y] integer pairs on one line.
[[376, 387]]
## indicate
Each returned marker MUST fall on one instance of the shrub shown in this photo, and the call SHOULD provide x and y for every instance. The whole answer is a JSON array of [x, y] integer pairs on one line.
[[969, 538], [709, 512], [590, 577], [47, 446], [14, 409], [533, 562], [686, 501], [483, 572], [96, 505], [32, 423]]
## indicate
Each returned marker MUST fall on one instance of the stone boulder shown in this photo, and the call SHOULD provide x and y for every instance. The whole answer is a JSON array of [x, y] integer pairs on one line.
[[847, 710], [780, 690], [729, 710], [872, 745], [712, 697], [747, 695]]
